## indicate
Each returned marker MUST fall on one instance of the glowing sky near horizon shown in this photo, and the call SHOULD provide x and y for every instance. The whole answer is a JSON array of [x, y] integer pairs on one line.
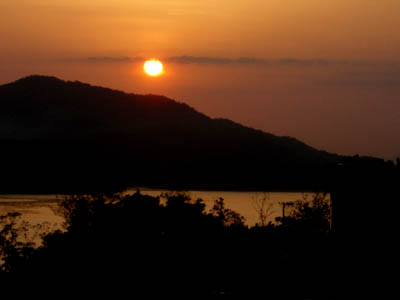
[[338, 92]]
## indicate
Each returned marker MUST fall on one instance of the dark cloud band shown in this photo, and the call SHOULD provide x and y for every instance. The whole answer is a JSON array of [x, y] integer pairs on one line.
[[242, 60], [206, 60]]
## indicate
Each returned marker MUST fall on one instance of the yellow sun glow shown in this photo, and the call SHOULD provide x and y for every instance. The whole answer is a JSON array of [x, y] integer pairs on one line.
[[153, 67]]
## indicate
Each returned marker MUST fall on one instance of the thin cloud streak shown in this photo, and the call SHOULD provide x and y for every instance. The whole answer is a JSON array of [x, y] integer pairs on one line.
[[207, 60], [109, 59], [185, 59], [104, 59]]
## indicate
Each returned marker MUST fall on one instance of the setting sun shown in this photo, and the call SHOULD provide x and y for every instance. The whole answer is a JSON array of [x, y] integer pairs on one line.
[[153, 67]]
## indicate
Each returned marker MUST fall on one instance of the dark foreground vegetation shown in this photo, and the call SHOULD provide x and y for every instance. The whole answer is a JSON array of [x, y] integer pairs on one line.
[[70, 137], [142, 245], [111, 244]]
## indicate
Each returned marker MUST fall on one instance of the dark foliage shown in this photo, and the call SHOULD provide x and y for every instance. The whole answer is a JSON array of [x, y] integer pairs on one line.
[[60, 137], [310, 216], [173, 246], [13, 250]]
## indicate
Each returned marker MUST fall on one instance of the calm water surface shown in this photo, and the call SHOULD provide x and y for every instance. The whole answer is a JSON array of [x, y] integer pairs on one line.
[[40, 208]]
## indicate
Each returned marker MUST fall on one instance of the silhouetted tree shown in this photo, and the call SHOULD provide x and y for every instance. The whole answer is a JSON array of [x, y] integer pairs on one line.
[[14, 250], [171, 245], [263, 209], [310, 215], [225, 215]]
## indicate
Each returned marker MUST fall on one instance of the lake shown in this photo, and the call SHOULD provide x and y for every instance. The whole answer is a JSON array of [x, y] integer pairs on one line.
[[40, 208]]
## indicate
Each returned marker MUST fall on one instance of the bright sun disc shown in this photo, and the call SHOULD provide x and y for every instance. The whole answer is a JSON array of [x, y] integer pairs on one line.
[[153, 67]]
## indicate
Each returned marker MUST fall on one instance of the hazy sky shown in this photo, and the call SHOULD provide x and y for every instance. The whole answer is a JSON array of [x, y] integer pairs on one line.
[[326, 72]]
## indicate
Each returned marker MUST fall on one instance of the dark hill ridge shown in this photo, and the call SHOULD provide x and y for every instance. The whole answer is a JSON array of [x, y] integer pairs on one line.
[[44, 107], [64, 134]]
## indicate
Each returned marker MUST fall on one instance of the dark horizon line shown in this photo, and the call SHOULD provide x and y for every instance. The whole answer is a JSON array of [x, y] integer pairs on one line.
[[244, 60]]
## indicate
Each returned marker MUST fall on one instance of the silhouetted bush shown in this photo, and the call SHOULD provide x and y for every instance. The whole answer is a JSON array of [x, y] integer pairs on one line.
[[309, 216], [171, 245], [15, 250]]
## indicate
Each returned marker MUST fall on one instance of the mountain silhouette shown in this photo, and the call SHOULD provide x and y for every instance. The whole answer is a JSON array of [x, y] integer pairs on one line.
[[62, 135]]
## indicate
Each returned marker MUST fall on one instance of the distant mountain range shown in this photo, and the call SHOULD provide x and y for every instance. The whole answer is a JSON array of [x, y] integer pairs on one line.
[[60, 135]]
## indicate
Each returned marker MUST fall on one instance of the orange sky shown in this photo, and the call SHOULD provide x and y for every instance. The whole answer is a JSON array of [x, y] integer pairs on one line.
[[339, 93], [335, 29]]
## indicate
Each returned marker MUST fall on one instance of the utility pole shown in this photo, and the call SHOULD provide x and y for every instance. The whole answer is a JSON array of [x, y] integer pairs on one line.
[[284, 204]]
